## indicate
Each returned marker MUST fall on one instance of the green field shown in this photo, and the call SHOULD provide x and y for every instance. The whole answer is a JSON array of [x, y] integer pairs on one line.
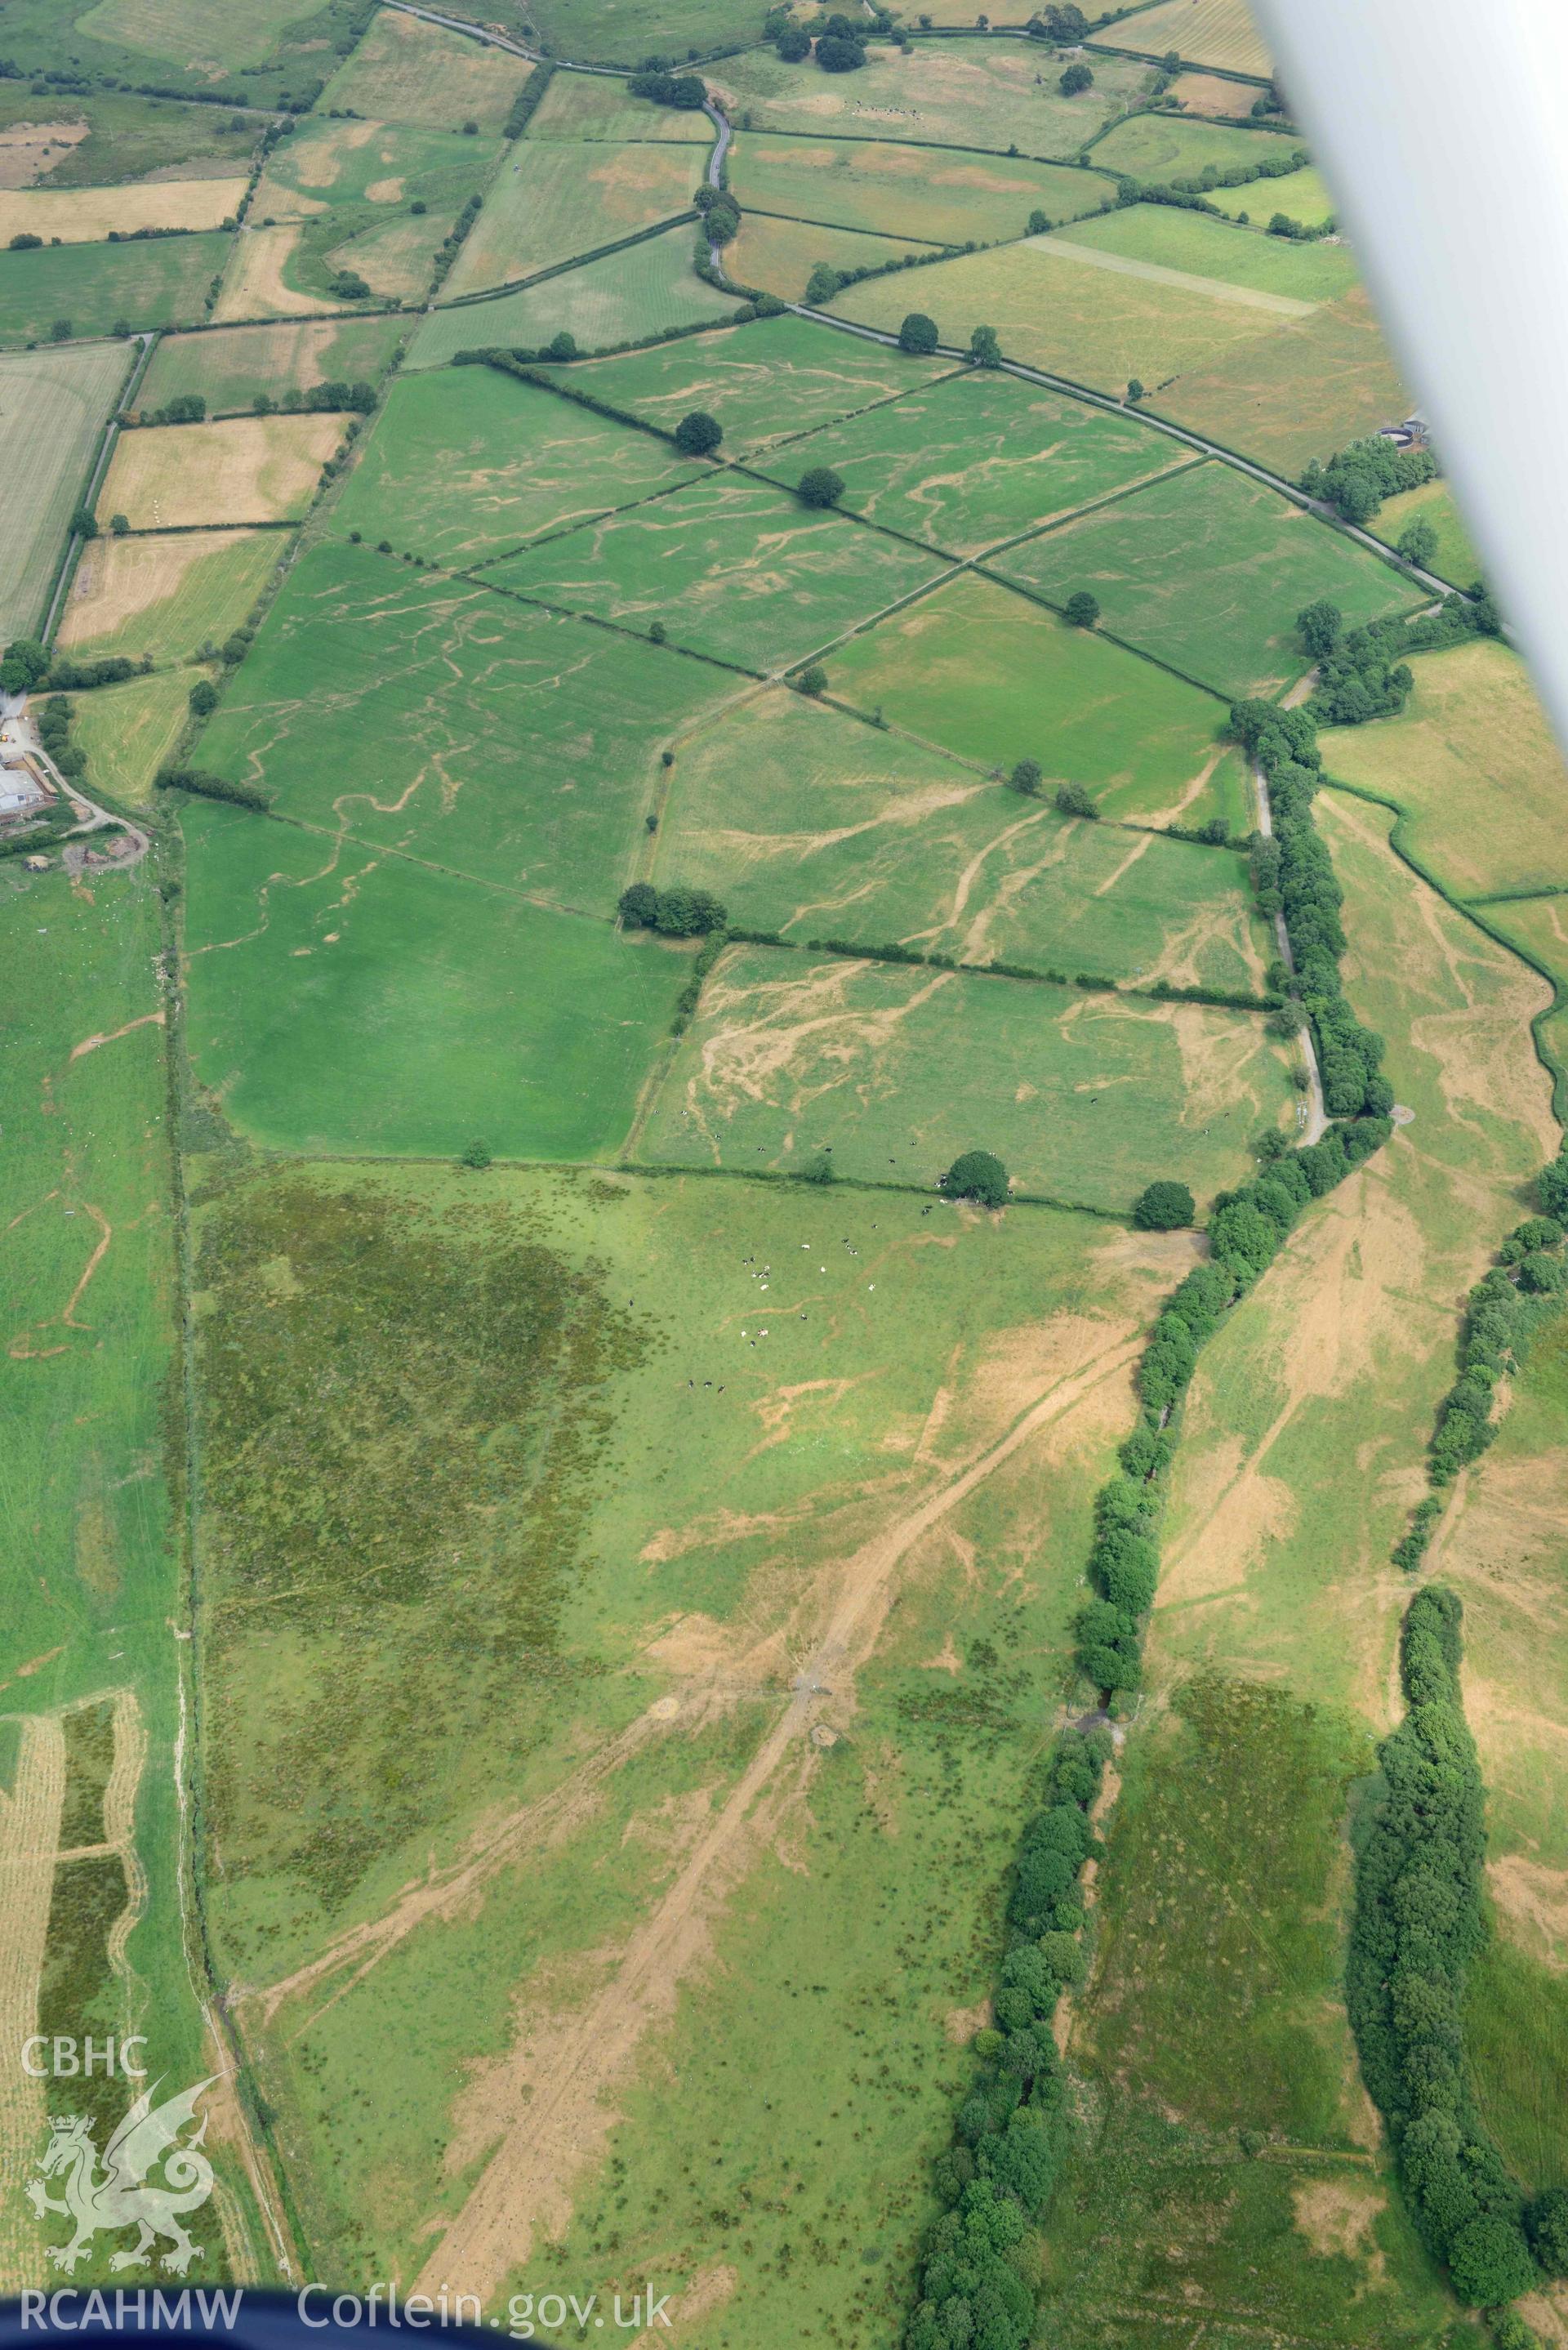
[[904, 191], [1302, 389], [434, 717], [1055, 308], [1165, 147], [127, 731], [977, 458], [801, 820], [623, 32], [53, 406], [435, 1008], [407, 72], [128, 136], [326, 163], [160, 282], [229, 365], [953, 93], [1456, 558], [1207, 570], [774, 255], [731, 567], [90, 1611], [642, 291], [1162, 237], [466, 464], [1472, 762], [166, 594], [551, 202], [1302, 196], [995, 678], [1084, 1098], [763, 382], [590, 106], [179, 30], [1204, 32]]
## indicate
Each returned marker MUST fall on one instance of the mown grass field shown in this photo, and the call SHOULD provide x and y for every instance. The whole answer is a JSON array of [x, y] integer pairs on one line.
[[1161, 237], [407, 72], [774, 255], [1302, 389], [165, 595], [551, 202], [803, 821], [86, 1261], [323, 164], [623, 32], [456, 725], [248, 469], [102, 136], [1208, 570], [127, 731], [230, 364], [395, 256], [955, 93], [1204, 32], [942, 199], [1095, 324], [85, 215], [1473, 763], [763, 382], [263, 278], [1165, 147], [1456, 558], [179, 30], [53, 406], [640, 291], [589, 106], [621, 1597], [466, 464], [976, 458], [731, 567], [345, 1000], [1301, 195], [996, 679], [161, 282], [1084, 1098]]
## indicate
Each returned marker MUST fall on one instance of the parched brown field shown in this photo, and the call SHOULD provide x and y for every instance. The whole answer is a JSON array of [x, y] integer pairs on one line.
[[85, 215], [777, 257], [30, 150], [406, 71], [1302, 390], [252, 285], [246, 469], [164, 595], [1205, 32], [1202, 93]]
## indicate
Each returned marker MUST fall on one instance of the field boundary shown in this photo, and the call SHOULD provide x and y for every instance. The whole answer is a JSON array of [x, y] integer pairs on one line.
[[103, 450], [577, 261]]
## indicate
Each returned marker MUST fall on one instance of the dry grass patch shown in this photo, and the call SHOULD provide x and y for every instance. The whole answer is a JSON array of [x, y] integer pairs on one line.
[[164, 595], [85, 215], [552, 202], [254, 284], [406, 71], [1205, 32], [1209, 94], [29, 149], [248, 469]]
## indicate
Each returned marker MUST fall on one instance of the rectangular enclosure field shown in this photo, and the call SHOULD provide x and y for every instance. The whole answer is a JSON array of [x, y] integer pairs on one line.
[[166, 594], [622, 31], [1084, 1098], [951, 93], [941, 199], [1302, 389], [1203, 32], [978, 457], [432, 716], [1301, 195], [465, 463], [1207, 570], [53, 406], [99, 138], [405, 70], [1455, 559], [773, 255], [323, 164], [94, 289], [1472, 761], [1165, 238], [85, 215], [248, 469], [1165, 147], [995, 678], [731, 567], [342, 999], [643, 290], [762, 383], [551, 202], [802, 820], [179, 30], [592, 106], [230, 364], [262, 278], [127, 731]]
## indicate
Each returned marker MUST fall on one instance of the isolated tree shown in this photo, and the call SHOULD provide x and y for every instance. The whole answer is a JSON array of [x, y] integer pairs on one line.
[[1320, 627], [476, 1154], [813, 679], [639, 906], [819, 485], [119, 524], [1135, 388], [1082, 609], [984, 350], [84, 523], [1073, 799], [684, 913], [658, 634], [977, 1175], [1164, 1207], [917, 334], [204, 698], [60, 332], [818, 1170], [24, 242], [1077, 77], [1025, 777], [837, 55], [698, 435], [562, 345], [822, 284], [1418, 542], [1039, 222]]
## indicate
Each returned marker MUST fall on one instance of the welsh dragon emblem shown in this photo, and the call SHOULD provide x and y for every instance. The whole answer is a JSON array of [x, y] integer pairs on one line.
[[120, 2197]]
